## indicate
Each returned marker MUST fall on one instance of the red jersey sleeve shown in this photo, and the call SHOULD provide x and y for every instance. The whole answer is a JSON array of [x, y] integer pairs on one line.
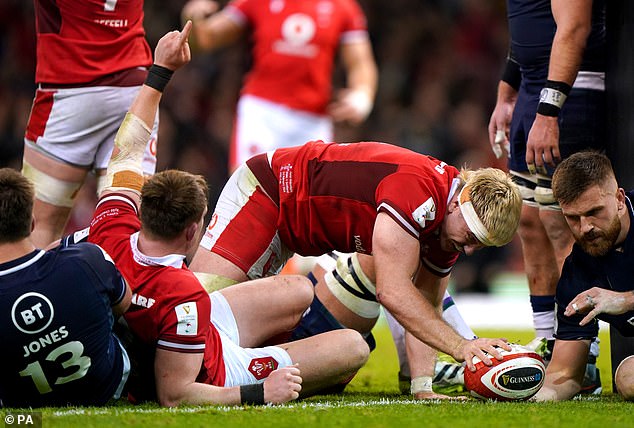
[[354, 22], [418, 204], [185, 322], [114, 220]]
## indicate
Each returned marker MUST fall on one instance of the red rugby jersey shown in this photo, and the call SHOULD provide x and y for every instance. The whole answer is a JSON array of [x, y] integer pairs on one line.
[[170, 309], [81, 41], [330, 194], [294, 47]]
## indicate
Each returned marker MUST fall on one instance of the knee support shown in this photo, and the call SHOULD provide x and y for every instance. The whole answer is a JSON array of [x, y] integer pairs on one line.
[[535, 190], [50, 189], [544, 194], [349, 284]]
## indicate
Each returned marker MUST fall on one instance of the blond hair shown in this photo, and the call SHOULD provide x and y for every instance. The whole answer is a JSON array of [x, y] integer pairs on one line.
[[496, 201]]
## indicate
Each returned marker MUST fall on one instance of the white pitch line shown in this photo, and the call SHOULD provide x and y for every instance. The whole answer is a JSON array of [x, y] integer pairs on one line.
[[295, 405]]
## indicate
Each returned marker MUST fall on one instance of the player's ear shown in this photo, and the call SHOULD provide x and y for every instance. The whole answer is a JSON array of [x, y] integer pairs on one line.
[[191, 231], [620, 199], [453, 204]]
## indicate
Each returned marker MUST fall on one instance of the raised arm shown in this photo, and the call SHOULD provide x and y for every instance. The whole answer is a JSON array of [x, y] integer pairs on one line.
[[125, 173]]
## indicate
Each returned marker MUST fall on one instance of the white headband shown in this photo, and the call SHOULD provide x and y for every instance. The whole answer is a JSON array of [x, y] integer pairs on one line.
[[472, 219]]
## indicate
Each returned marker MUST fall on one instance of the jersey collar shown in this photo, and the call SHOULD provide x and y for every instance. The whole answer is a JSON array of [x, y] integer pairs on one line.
[[173, 260]]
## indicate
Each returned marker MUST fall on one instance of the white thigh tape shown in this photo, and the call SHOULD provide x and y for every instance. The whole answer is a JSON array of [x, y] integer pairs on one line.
[[352, 288], [50, 189]]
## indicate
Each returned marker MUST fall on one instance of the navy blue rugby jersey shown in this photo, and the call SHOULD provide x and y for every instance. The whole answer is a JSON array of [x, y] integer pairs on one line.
[[56, 328], [614, 271], [532, 28]]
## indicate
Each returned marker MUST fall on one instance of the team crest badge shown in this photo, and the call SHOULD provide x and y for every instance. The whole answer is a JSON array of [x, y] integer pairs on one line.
[[262, 367], [425, 212]]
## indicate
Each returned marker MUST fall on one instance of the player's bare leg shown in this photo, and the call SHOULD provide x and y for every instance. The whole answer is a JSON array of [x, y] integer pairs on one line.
[[269, 306], [328, 359], [207, 261], [624, 378], [56, 184], [542, 270]]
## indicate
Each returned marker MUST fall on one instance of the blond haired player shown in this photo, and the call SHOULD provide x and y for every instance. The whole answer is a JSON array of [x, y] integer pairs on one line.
[[412, 213]]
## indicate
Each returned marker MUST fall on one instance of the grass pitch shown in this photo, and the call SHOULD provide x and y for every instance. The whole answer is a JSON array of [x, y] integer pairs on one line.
[[371, 400]]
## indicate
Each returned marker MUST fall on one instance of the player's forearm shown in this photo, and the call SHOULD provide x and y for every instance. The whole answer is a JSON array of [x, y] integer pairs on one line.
[[214, 32], [420, 318], [506, 93], [197, 393]]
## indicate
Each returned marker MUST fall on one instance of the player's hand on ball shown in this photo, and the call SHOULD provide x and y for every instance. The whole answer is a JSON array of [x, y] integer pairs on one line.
[[483, 348], [283, 385]]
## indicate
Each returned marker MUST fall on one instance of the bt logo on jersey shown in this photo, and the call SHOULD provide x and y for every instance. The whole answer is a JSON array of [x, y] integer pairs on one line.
[[32, 312]]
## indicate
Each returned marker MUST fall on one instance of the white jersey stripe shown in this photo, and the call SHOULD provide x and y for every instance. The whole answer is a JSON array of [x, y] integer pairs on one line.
[[400, 218]]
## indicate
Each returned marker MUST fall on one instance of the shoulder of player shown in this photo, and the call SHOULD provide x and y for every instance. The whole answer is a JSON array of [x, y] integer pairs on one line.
[[180, 285], [83, 253]]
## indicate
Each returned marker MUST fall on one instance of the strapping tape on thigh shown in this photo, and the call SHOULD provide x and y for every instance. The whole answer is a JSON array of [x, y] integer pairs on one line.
[[50, 189], [352, 288]]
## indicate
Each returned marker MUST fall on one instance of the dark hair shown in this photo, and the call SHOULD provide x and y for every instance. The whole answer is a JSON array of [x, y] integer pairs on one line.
[[16, 205], [578, 173], [172, 200]]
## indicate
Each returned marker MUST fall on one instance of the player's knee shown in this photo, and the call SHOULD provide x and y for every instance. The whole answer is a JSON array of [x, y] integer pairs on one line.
[[531, 228], [358, 349], [624, 378], [303, 289]]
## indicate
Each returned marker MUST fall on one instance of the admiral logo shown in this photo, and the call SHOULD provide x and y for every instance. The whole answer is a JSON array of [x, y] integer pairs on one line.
[[523, 378], [441, 167], [631, 321], [261, 368]]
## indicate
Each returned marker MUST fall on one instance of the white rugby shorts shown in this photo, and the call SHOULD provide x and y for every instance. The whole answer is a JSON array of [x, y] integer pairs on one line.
[[262, 126], [243, 366], [78, 125]]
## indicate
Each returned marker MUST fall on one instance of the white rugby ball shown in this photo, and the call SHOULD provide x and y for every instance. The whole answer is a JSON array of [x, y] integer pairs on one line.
[[518, 376]]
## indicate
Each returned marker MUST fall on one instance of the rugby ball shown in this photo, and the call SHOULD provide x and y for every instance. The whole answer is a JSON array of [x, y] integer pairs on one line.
[[518, 376]]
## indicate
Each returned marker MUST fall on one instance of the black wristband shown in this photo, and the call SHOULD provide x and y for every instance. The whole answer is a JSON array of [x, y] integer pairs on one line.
[[546, 109], [562, 87], [552, 98], [512, 74], [252, 394], [158, 77]]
